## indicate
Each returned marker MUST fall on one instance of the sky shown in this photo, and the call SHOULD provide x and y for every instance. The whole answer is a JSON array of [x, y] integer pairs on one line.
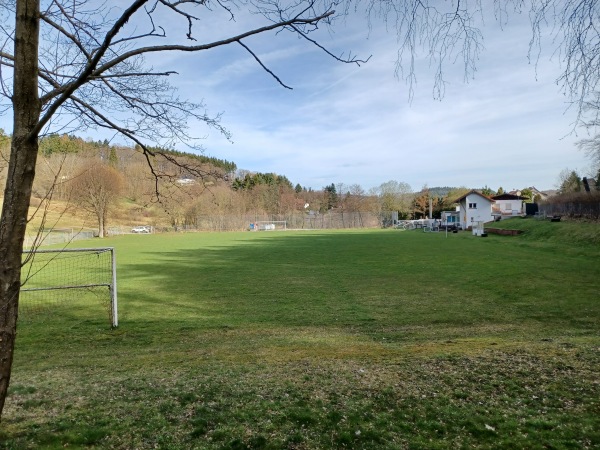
[[509, 126]]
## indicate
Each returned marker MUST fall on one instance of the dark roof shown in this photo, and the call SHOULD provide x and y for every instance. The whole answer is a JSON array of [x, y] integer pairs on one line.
[[508, 197]]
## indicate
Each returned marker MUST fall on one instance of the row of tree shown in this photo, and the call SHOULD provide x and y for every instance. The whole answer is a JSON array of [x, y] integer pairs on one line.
[[98, 177], [571, 182], [101, 178]]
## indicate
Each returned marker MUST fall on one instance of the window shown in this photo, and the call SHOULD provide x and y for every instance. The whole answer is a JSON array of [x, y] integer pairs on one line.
[[508, 207], [472, 205]]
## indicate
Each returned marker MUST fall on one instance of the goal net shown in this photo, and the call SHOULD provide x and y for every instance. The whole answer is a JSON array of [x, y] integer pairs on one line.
[[271, 225], [70, 278]]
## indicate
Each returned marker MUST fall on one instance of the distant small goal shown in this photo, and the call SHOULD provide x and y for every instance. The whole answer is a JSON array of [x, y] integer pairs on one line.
[[76, 280], [269, 225]]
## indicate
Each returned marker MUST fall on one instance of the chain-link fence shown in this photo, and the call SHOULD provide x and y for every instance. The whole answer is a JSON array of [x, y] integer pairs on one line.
[[58, 236], [294, 221]]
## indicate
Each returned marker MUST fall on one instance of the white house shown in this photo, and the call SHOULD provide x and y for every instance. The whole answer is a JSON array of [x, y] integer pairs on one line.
[[508, 205], [474, 207]]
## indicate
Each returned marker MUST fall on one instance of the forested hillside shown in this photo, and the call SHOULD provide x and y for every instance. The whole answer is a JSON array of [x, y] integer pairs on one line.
[[94, 184]]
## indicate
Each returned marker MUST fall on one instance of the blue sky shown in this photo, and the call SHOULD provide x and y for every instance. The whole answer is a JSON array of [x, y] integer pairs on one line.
[[510, 126]]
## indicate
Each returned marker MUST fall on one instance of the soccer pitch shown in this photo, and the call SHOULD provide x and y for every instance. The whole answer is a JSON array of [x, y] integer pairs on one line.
[[340, 339]]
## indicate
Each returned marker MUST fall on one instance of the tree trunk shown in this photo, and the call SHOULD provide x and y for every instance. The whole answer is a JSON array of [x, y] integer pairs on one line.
[[101, 220], [21, 171]]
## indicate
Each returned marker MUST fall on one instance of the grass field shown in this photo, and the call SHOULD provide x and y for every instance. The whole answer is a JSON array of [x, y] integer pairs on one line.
[[377, 339]]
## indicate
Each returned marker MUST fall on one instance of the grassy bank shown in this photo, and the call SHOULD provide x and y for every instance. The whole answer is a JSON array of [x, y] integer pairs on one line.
[[566, 233], [364, 339]]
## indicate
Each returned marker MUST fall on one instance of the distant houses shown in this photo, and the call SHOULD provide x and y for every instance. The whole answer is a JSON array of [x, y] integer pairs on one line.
[[535, 193], [476, 207]]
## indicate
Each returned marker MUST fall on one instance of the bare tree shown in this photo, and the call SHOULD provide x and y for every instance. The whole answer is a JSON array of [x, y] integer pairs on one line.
[[453, 31], [591, 145], [96, 188], [395, 196], [52, 174], [356, 200], [138, 182]]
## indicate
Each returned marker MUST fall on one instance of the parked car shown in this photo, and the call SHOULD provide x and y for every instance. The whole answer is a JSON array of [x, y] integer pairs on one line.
[[140, 229]]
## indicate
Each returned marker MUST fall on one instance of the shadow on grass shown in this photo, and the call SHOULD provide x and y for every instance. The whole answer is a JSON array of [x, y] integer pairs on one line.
[[297, 340], [371, 282]]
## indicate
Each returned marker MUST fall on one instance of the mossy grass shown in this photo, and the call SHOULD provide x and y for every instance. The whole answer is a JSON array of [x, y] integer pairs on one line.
[[341, 339]]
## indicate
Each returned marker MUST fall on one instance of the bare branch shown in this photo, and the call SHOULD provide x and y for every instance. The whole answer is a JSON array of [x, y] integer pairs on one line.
[[75, 40], [349, 60], [87, 72], [92, 71], [197, 48], [264, 67], [175, 7]]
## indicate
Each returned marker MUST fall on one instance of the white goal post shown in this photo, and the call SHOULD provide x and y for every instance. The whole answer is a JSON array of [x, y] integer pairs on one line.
[[270, 225], [51, 277]]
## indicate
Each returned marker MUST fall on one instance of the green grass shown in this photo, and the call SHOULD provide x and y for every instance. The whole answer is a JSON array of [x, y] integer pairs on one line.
[[311, 340], [567, 233]]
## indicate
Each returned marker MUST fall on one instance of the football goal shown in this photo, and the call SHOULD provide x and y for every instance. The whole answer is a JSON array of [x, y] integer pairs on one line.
[[70, 278], [272, 225]]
